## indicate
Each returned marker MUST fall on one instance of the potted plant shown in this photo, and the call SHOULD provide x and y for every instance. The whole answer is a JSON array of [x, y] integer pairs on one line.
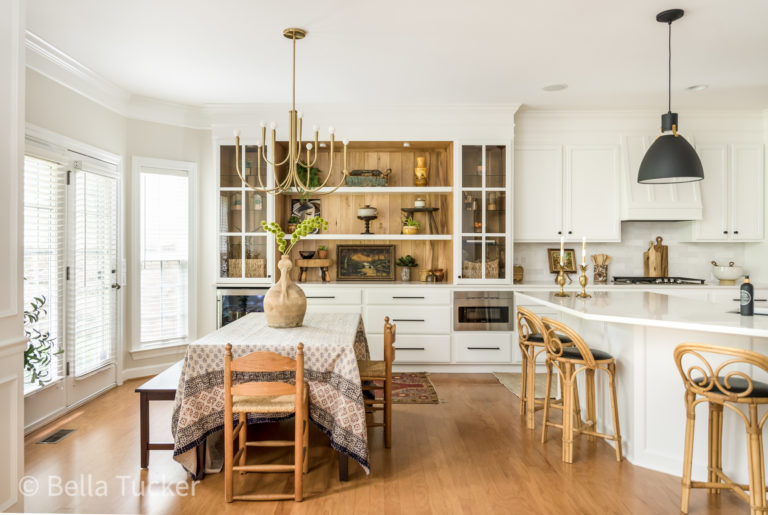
[[322, 252], [285, 303], [293, 222], [311, 182], [40, 345], [410, 226], [406, 262]]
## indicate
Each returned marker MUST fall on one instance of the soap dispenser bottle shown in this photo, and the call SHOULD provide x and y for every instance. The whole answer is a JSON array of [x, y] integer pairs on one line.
[[747, 298]]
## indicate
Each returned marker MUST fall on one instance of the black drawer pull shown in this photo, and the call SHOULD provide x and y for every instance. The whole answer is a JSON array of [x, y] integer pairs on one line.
[[409, 348], [484, 348], [322, 297], [756, 300], [408, 320], [405, 297]]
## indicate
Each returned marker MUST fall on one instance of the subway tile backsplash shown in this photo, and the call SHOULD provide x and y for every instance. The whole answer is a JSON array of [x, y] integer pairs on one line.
[[685, 259]]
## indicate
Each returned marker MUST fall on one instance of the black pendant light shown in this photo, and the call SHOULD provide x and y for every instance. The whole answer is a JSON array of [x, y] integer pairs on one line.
[[671, 159]]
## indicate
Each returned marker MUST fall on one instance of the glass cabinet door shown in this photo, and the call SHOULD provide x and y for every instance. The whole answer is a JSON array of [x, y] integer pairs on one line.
[[483, 220], [244, 247]]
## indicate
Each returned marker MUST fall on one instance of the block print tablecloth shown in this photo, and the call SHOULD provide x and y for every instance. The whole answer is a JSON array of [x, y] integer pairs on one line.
[[333, 342]]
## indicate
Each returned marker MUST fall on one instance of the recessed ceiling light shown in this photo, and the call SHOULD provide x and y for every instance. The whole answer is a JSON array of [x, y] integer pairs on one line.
[[697, 87], [555, 87]]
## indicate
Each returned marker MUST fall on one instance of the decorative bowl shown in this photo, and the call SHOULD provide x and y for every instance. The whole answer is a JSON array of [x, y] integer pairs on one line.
[[307, 254], [728, 274]]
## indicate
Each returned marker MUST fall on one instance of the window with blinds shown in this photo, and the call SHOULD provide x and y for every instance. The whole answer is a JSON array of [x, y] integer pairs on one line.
[[44, 254], [163, 256]]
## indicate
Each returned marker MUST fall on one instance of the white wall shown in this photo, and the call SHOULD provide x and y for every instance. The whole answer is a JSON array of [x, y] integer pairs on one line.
[[608, 127], [60, 109], [12, 342]]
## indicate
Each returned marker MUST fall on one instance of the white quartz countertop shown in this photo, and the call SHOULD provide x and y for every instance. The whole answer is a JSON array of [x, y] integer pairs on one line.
[[653, 309]]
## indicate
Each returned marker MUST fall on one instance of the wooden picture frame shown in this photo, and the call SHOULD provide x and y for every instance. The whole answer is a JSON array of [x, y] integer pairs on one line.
[[365, 262], [569, 260]]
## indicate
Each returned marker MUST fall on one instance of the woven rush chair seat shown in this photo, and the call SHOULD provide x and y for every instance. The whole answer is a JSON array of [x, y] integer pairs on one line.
[[267, 405]]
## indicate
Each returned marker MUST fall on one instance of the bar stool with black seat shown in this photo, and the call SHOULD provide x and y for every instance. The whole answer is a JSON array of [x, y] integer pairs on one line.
[[530, 338], [724, 385], [270, 399], [569, 361], [373, 372]]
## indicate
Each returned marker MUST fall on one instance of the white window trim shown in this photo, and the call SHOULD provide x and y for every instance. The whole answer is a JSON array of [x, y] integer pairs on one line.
[[137, 350]]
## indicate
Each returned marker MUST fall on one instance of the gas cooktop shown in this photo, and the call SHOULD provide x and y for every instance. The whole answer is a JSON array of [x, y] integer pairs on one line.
[[656, 280]]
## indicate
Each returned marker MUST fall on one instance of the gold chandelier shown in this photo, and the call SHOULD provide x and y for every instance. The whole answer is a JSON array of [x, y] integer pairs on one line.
[[292, 182]]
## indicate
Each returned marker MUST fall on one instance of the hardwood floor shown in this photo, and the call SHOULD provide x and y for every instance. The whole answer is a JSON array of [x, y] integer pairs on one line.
[[470, 454]]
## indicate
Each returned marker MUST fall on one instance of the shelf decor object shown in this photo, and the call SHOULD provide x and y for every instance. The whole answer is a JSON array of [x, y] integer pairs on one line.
[[406, 263], [365, 262], [430, 215], [368, 178], [285, 303], [410, 226], [366, 214], [600, 268], [420, 172], [561, 280], [568, 261], [293, 179], [670, 159], [583, 282]]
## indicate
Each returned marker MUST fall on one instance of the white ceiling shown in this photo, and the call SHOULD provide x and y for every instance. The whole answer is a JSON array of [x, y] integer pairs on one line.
[[611, 53]]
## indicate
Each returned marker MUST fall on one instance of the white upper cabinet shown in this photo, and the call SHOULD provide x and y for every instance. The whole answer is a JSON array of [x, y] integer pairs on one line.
[[572, 197], [654, 201], [732, 193]]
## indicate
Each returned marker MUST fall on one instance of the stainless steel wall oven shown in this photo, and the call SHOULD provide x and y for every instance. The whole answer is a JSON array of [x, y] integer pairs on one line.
[[483, 311]]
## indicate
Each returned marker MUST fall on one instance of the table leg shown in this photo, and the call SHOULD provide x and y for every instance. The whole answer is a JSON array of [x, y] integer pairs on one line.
[[200, 454], [144, 424], [343, 467]]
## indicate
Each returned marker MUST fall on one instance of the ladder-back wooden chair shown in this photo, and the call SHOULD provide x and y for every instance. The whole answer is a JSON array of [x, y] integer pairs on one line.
[[373, 372], [530, 338], [264, 398], [724, 385], [569, 361]]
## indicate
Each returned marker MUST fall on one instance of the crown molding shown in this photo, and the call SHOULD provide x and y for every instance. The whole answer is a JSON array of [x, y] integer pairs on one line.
[[58, 66]]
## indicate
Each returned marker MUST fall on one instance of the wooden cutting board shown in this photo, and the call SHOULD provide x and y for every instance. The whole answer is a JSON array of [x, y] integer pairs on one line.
[[656, 259]]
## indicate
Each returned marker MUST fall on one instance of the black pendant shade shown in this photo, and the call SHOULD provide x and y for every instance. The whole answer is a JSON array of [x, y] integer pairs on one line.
[[671, 159]]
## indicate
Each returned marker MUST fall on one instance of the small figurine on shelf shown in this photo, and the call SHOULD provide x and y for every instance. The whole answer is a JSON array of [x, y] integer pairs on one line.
[[410, 226], [293, 221], [322, 252], [406, 262]]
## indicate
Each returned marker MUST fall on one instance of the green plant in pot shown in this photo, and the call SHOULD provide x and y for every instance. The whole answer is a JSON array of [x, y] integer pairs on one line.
[[406, 262], [410, 226], [322, 252], [313, 181], [293, 222], [40, 346], [285, 303]]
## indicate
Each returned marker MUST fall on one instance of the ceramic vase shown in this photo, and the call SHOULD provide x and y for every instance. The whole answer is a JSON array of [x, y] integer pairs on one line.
[[405, 274], [420, 172], [285, 303]]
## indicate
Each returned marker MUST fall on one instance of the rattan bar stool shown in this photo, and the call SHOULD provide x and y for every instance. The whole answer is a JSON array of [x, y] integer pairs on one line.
[[724, 385], [570, 361], [530, 338]]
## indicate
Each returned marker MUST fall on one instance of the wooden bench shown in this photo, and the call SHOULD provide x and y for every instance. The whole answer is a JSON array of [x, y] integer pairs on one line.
[[162, 387]]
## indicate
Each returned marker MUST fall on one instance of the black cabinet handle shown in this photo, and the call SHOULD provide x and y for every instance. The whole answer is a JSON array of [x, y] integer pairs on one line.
[[559, 232], [410, 348], [570, 232], [408, 320], [405, 297], [322, 297], [735, 232], [725, 232], [484, 348], [756, 300]]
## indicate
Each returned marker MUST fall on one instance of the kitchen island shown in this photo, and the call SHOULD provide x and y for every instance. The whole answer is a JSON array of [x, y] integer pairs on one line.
[[641, 330]]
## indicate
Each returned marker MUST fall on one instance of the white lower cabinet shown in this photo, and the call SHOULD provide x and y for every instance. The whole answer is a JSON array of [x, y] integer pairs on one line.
[[324, 299], [413, 348], [410, 319], [483, 347]]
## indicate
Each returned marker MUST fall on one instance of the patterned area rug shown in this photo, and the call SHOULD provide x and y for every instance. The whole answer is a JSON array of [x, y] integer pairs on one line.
[[411, 388], [512, 381]]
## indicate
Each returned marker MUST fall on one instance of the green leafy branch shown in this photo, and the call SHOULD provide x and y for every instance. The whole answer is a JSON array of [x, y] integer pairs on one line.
[[304, 228], [40, 346]]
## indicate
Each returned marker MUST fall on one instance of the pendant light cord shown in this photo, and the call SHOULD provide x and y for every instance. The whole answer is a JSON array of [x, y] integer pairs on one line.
[[669, 70]]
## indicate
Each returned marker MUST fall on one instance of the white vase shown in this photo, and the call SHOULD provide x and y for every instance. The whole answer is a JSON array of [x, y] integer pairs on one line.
[[285, 303], [405, 274]]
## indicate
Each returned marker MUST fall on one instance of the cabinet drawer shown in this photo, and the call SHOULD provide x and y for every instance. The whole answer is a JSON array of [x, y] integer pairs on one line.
[[415, 296], [413, 348], [483, 347], [332, 296], [410, 319]]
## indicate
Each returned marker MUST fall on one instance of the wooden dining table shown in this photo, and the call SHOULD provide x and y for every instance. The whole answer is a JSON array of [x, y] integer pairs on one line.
[[333, 343]]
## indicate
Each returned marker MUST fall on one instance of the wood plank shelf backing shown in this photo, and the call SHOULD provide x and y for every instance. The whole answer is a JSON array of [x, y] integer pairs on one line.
[[340, 207]]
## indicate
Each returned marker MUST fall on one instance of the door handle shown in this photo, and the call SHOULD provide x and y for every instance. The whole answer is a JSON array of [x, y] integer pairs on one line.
[[116, 286]]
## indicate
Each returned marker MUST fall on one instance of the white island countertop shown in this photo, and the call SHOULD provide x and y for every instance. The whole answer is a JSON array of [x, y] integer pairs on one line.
[[653, 309]]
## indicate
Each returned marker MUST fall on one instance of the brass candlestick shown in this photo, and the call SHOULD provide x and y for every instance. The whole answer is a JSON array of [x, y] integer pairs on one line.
[[583, 282], [561, 281]]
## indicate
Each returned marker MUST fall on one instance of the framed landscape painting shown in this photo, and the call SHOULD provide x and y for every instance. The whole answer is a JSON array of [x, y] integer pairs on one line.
[[365, 262], [569, 260]]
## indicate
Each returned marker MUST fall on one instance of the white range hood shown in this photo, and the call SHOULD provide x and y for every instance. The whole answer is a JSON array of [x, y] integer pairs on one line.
[[640, 202]]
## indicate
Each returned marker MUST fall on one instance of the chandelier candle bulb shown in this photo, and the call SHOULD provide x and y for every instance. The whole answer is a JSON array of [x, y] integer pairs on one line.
[[331, 129], [237, 133], [300, 114], [262, 124]]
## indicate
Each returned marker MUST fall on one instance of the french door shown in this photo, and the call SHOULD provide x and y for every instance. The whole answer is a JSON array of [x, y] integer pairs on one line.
[[71, 258]]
